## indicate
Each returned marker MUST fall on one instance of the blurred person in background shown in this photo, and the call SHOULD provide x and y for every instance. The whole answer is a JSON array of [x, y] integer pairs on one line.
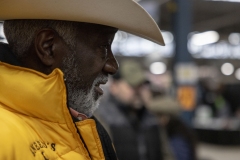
[[182, 138], [212, 97], [135, 131]]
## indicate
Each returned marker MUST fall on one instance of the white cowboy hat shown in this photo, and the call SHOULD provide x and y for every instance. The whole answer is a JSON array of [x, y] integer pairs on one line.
[[125, 15]]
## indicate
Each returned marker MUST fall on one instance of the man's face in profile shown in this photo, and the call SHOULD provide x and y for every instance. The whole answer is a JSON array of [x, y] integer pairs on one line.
[[86, 67]]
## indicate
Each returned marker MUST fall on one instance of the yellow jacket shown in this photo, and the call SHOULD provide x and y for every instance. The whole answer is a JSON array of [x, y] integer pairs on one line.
[[35, 121]]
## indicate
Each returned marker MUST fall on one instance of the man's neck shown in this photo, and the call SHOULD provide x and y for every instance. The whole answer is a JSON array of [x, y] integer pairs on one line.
[[77, 116]]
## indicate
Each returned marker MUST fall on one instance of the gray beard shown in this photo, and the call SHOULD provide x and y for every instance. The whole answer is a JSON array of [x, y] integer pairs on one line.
[[82, 101]]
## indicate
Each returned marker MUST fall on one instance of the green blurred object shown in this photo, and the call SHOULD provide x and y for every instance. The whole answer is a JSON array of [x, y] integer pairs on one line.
[[132, 72]]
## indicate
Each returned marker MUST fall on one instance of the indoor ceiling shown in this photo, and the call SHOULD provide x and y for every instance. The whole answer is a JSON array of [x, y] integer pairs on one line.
[[223, 17]]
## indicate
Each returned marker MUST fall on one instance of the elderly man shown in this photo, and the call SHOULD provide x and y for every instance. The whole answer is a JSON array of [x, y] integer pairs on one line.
[[58, 55]]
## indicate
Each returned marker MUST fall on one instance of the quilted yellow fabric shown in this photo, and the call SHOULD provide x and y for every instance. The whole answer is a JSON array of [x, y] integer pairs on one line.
[[35, 121]]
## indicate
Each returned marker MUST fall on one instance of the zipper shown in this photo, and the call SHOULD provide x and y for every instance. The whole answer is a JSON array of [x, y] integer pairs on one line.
[[78, 135]]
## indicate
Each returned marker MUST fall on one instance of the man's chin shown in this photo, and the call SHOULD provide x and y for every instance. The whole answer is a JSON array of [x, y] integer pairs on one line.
[[94, 107]]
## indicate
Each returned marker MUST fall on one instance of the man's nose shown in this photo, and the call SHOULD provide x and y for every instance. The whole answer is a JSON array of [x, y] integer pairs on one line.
[[111, 66]]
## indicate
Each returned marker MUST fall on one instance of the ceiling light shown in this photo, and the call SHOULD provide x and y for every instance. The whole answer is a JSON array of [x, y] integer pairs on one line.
[[237, 74], [204, 38], [2, 36], [168, 37], [227, 69], [158, 68], [234, 38]]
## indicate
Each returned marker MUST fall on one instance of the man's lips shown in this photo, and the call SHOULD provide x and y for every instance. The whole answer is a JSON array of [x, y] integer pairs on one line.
[[98, 88]]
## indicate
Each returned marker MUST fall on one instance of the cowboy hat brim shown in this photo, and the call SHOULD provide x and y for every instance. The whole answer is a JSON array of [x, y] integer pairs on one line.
[[125, 15]]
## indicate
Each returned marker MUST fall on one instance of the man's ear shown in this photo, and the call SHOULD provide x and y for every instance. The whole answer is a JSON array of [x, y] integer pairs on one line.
[[44, 44]]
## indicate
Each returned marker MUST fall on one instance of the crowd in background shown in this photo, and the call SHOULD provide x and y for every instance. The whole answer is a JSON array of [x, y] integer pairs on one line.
[[144, 120]]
